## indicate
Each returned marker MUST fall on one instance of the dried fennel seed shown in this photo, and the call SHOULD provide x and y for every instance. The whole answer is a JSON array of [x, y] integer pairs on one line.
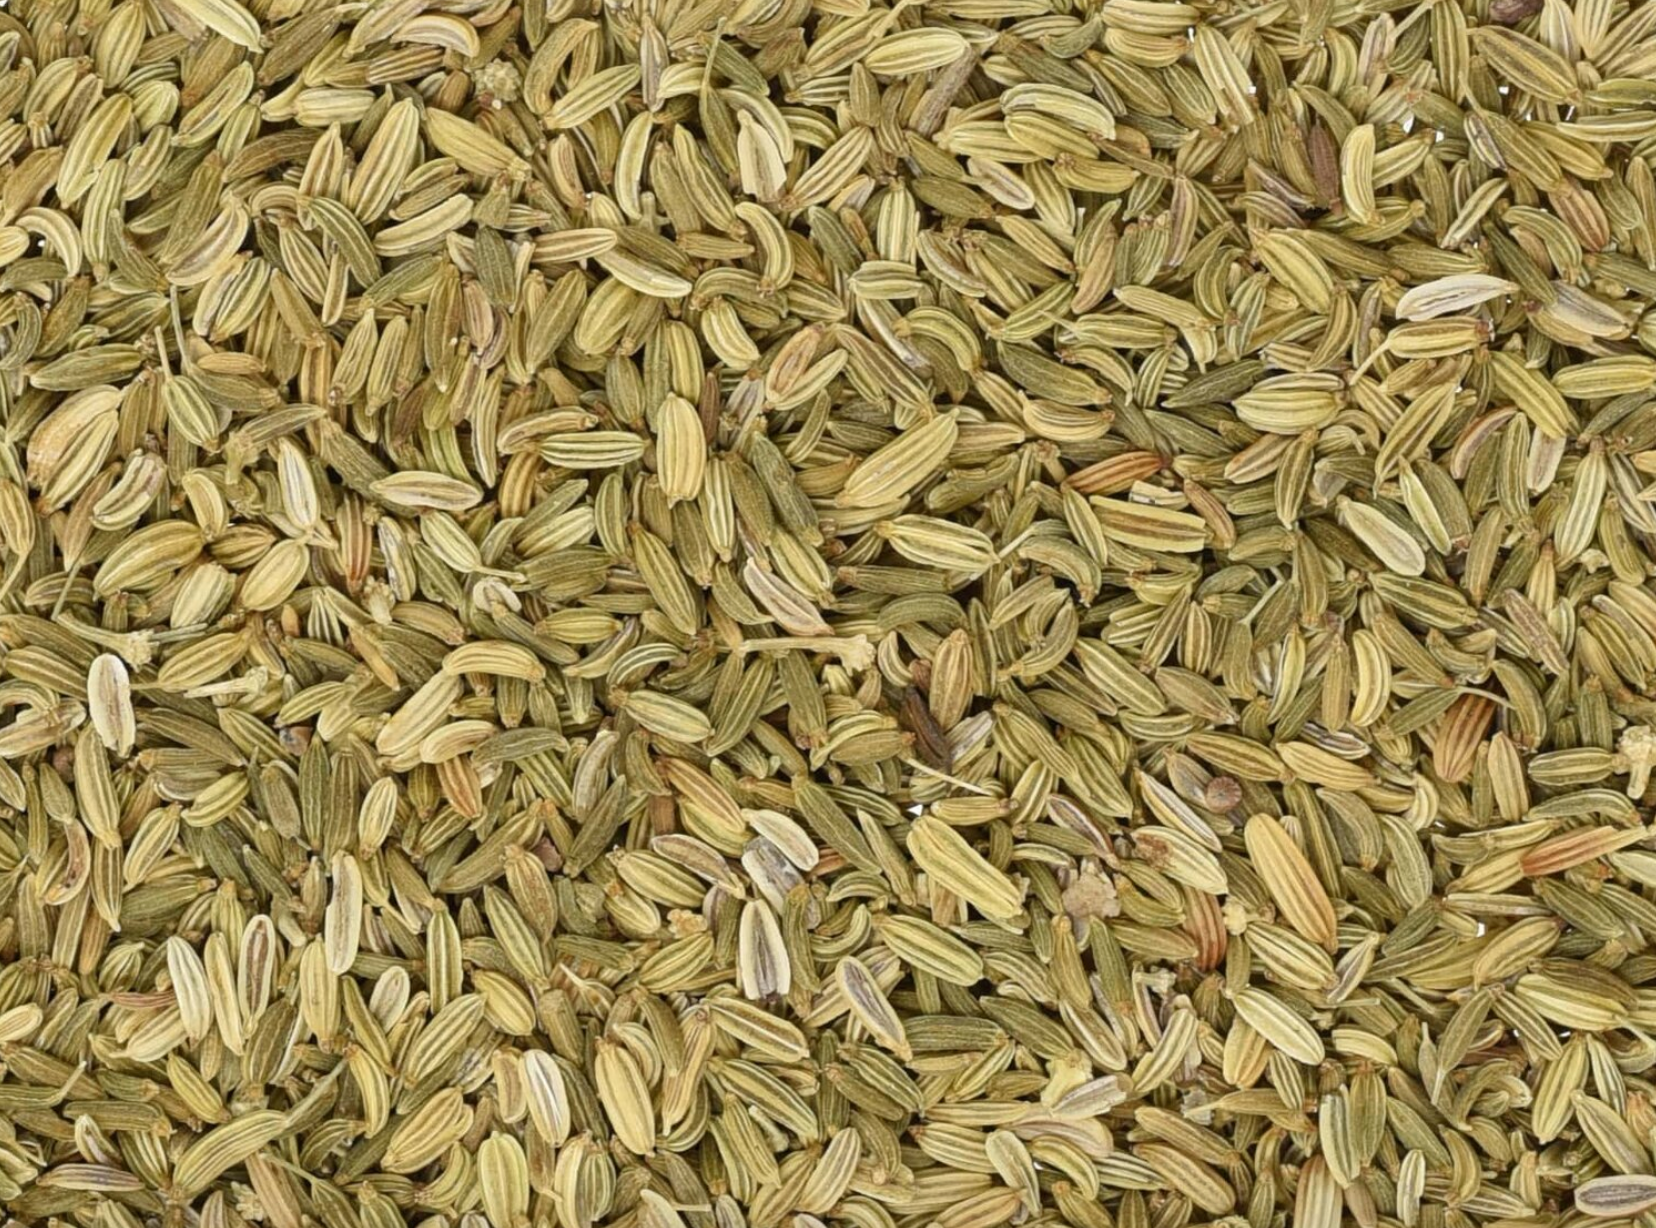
[[770, 615]]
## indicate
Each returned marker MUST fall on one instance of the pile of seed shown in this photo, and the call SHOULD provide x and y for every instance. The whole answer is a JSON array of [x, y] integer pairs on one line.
[[784, 613]]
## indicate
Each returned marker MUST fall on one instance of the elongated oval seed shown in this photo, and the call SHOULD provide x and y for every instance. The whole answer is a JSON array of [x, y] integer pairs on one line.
[[762, 957], [940, 851], [625, 1097], [870, 1006], [1619, 1197], [109, 703], [223, 1148], [1290, 879]]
